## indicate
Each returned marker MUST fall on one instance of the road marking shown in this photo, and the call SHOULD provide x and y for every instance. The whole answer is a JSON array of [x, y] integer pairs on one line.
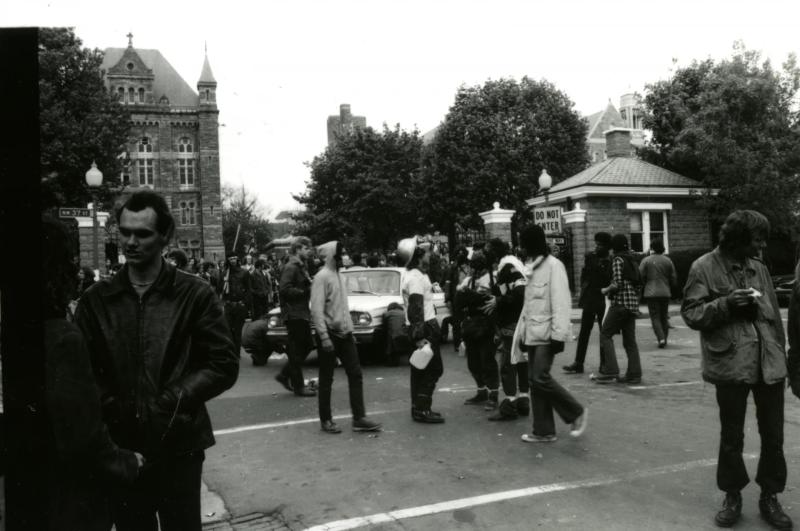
[[669, 384], [270, 425], [435, 508]]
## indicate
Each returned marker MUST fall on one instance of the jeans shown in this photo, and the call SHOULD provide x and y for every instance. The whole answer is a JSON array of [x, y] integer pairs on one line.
[[659, 315], [731, 472], [513, 377], [345, 349], [588, 317], [546, 394], [235, 314], [171, 488], [298, 346], [481, 362], [619, 319], [423, 381]]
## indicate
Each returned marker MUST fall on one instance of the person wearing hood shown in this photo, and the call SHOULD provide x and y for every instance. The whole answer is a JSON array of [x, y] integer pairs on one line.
[[508, 294], [330, 315], [477, 330], [423, 328], [543, 328]]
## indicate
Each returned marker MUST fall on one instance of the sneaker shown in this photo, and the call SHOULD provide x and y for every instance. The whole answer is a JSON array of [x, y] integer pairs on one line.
[[604, 378], [579, 424], [662, 343], [329, 426], [479, 399], [630, 380], [772, 512], [284, 381], [533, 438], [572, 368], [731, 510], [365, 424], [491, 402]]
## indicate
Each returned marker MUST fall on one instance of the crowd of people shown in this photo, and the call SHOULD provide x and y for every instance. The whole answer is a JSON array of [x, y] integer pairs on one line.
[[131, 366]]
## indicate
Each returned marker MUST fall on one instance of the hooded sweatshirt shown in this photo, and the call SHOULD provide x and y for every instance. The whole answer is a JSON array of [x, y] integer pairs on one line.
[[330, 314]]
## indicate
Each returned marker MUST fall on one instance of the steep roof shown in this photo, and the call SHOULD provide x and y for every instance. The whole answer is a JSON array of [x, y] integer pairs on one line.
[[601, 121], [166, 82], [207, 76], [624, 171]]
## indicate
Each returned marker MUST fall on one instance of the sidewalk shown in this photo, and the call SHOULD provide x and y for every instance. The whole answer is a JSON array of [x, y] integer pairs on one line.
[[674, 309]]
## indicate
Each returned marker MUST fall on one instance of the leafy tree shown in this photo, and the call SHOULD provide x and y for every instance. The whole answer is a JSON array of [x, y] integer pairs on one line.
[[362, 189], [79, 121], [732, 125], [492, 146], [241, 210]]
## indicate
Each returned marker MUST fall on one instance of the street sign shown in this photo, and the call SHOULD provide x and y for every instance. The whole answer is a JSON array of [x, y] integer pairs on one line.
[[70, 212], [549, 218]]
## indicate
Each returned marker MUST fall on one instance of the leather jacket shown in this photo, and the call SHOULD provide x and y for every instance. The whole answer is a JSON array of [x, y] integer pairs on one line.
[[158, 360], [738, 346], [295, 290]]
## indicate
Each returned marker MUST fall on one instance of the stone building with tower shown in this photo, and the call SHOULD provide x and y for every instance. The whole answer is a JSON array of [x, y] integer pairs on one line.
[[344, 123], [174, 145], [629, 116]]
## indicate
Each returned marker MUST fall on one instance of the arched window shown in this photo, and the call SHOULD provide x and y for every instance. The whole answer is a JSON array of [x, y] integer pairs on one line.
[[121, 94], [141, 95], [144, 162], [187, 212], [186, 162], [145, 146], [131, 95]]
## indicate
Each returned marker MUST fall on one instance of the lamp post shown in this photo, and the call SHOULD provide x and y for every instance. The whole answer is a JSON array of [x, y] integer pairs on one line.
[[545, 182], [94, 179]]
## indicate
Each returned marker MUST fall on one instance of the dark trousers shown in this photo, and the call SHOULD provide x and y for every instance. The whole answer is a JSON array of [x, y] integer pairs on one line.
[[547, 395], [171, 488], [659, 316], [512, 377], [731, 472], [423, 381], [454, 322], [620, 319], [260, 306], [589, 316], [481, 362], [299, 344], [235, 314], [344, 348]]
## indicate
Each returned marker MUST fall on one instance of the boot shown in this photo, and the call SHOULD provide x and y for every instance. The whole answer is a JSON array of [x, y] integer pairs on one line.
[[426, 416], [523, 405], [506, 411], [480, 398], [731, 510], [491, 403], [772, 512]]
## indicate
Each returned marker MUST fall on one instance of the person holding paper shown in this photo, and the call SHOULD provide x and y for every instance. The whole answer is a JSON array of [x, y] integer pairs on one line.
[[423, 329]]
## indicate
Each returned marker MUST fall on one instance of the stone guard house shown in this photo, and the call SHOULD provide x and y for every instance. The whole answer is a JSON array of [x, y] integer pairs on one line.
[[174, 147], [626, 195]]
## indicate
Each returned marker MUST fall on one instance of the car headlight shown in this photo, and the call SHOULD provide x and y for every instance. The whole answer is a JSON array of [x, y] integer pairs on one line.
[[361, 318], [274, 321]]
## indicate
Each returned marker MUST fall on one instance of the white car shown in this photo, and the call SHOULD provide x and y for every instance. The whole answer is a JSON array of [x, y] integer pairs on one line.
[[369, 293]]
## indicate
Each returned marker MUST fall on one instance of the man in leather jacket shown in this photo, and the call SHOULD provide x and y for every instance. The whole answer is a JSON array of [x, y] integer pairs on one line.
[[730, 299], [160, 349], [237, 298]]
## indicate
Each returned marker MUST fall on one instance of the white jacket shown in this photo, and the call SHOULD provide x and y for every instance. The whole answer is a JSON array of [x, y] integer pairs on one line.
[[546, 312]]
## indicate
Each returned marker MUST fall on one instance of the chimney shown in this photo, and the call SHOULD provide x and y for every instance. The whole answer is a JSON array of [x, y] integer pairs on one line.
[[618, 142]]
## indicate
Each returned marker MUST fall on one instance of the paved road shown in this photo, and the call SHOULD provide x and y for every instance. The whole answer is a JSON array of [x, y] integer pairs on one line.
[[647, 460]]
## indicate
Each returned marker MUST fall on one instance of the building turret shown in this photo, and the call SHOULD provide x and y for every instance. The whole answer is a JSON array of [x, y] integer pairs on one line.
[[207, 85]]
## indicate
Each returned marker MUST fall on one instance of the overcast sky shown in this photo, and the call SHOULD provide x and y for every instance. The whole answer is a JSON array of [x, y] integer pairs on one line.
[[283, 67]]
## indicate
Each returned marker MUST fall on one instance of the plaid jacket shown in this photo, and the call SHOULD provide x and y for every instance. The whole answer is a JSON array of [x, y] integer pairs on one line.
[[625, 294]]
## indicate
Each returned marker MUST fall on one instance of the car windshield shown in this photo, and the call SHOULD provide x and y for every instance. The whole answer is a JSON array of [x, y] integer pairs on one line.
[[372, 282]]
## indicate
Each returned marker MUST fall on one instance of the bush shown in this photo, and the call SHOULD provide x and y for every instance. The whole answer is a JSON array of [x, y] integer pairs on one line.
[[683, 261]]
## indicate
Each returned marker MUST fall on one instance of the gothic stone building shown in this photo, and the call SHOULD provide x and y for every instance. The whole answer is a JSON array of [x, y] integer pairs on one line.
[[174, 147]]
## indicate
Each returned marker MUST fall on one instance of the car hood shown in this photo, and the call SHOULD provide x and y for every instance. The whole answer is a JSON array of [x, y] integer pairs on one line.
[[371, 303]]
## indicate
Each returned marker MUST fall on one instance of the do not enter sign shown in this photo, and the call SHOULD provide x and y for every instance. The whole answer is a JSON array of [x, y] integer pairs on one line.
[[549, 218]]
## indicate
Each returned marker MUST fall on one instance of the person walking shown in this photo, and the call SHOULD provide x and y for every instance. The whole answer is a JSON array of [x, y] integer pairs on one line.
[[621, 317], [160, 349], [595, 275], [84, 461], [330, 315], [508, 295], [730, 300], [236, 297], [659, 278], [423, 328], [295, 293], [543, 328], [477, 330]]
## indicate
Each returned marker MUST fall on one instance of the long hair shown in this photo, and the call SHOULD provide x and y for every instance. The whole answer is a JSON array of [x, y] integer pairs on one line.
[[740, 227], [60, 269]]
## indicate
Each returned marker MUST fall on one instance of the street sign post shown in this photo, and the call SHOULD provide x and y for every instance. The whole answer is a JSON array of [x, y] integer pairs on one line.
[[549, 218], [74, 212]]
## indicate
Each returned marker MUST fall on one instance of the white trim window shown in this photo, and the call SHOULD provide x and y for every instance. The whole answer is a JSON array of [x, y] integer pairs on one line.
[[186, 163], [648, 221], [188, 212], [145, 166]]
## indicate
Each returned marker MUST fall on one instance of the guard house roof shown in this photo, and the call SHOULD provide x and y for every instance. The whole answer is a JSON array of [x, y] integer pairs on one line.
[[166, 80], [621, 176]]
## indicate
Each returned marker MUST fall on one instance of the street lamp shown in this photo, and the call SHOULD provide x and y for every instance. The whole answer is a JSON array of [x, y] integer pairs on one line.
[[94, 179], [545, 182]]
